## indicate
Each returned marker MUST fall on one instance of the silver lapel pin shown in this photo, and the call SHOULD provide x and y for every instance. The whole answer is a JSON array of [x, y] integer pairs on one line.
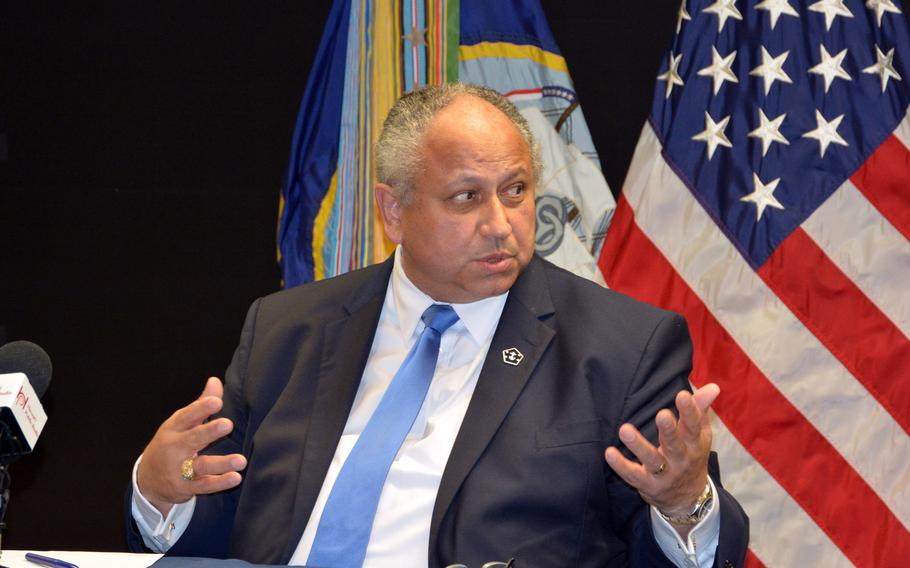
[[512, 356]]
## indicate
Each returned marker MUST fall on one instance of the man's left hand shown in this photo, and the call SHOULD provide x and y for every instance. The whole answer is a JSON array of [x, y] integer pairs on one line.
[[673, 475]]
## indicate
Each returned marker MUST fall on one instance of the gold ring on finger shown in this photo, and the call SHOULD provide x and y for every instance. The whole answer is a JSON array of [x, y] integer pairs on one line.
[[186, 469], [660, 469]]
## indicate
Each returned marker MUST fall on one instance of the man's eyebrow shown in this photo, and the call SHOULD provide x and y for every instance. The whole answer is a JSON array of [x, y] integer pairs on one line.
[[471, 177]]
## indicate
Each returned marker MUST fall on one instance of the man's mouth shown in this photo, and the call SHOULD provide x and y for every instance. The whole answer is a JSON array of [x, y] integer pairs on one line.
[[498, 262], [498, 257]]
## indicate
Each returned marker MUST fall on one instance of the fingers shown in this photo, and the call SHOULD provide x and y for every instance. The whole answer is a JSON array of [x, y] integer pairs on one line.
[[649, 457], [668, 435], [631, 472], [692, 407], [689, 414], [194, 413], [671, 475], [187, 432], [198, 411], [201, 436], [624, 467], [215, 483], [640, 446], [216, 473], [213, 387], [705, 396], [218, 465]]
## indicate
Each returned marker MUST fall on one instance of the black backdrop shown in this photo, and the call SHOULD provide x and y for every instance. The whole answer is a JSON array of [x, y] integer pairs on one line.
[[142, 145]]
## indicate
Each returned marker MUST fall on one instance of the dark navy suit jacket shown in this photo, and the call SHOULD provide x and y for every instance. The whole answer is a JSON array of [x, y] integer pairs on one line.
[[526, 478]]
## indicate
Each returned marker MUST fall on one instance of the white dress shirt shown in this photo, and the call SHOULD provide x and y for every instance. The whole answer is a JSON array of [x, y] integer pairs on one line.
[[401, 527]]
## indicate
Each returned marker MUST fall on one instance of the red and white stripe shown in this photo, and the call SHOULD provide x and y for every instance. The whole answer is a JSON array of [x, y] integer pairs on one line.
[[793, 539], [811, 353]]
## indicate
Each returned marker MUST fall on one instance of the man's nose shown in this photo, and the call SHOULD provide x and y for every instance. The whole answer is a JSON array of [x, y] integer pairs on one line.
[[495, 222]]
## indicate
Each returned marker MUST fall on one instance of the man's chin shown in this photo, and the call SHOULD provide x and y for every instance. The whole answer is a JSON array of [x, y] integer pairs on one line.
[[496, 284]]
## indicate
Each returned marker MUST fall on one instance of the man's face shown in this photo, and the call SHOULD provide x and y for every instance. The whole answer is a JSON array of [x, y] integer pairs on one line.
[[469, 228]]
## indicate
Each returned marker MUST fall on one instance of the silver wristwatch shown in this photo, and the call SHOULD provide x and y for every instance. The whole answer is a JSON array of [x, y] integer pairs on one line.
[[699, 511]]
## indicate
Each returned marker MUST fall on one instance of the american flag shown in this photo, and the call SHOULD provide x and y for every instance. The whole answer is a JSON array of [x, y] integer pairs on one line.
[[769, 202]]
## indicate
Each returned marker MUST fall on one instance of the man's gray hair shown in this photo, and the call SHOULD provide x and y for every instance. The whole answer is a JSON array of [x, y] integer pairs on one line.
[[399, 149]]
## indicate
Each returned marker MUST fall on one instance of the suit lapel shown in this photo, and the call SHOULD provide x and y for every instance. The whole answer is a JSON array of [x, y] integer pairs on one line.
[[499, 384], [346, 348]]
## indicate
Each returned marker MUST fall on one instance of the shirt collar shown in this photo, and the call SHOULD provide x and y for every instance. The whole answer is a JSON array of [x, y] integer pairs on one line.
[[479, 318]]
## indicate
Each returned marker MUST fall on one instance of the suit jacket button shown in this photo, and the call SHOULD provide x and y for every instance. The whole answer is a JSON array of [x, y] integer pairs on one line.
[[728, 564]]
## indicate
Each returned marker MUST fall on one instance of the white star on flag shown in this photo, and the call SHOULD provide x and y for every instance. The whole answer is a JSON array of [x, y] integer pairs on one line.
[[769, 131], [713, 134], [771, 69], [724, 9], [683, 14], [826, 133], [776, 8], [672, 75], [830, 66], [884, 67], [720, 69], [763, 196], [831, 9], [880, 7]]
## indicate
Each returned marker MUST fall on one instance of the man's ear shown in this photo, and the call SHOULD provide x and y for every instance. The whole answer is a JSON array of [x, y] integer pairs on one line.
[[390, 209]]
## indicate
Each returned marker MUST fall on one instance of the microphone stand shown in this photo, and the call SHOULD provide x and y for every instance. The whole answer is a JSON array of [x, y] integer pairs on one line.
[[4, 500], [11, 449]]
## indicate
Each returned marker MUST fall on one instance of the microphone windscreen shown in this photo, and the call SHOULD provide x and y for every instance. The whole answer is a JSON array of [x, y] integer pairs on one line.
[[26, 357]]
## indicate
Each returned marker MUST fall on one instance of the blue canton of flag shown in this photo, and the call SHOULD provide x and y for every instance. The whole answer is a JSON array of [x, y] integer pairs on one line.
[[769, 109]]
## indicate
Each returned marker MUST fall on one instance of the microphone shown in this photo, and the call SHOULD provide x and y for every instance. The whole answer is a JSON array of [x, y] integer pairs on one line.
[[26, 357], [25, 373]]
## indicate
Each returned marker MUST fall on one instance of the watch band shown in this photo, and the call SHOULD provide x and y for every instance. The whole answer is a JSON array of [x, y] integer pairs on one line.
[[699, 511]]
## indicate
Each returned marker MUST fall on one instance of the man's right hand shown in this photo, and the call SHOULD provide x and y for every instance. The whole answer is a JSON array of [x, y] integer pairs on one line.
[[181, 437]]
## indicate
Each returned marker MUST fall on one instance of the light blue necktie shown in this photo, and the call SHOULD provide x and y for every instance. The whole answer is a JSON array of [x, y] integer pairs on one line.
[[344, 529]]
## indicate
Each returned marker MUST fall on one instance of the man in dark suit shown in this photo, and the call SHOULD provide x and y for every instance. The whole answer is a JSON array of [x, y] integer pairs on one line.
[[562, 370]]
